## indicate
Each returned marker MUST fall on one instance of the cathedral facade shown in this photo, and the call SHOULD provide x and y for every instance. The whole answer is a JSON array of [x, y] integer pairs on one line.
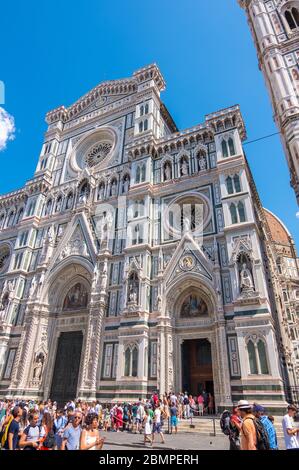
[[139, 258], [274, 25]]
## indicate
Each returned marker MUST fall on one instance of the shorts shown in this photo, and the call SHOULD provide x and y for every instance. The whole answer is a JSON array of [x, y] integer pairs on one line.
[[173, 421], [157, 428]]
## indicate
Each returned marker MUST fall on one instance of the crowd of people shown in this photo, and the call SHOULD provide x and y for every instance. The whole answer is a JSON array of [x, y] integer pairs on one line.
[[29, 425], [249, 427]]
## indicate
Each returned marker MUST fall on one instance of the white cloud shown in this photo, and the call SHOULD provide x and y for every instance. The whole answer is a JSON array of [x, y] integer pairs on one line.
[[7, 128], [297, 215]]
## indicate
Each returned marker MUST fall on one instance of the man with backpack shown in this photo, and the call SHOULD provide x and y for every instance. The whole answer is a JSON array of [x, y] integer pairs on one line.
[[259, 413], [254, 436], [231, 425]]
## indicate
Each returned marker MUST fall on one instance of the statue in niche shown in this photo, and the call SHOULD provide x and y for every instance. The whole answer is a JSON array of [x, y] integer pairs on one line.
[[101, 191], [184, 167], [95, 280], [76, 297], [84, 192], [105, 225], [58, 204], [194, 306], [104, 275], [32, 287], [246, 281], [202, 163], [133, 288], [126, 184], [113, 188], [38, 367], [69, 201], [167, 172], [159, 303], [187, 225]]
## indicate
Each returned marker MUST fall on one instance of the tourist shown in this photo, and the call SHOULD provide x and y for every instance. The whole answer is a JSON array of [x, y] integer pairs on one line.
[[60, 423], [173, 418], [90, 437], [259, 413], [200, 403], [140, 416], [211, 407], [290, 430], [157, 426], [248, 435], [72, 433], [33, 434], [147, 423], [235, 426], [11, 442]]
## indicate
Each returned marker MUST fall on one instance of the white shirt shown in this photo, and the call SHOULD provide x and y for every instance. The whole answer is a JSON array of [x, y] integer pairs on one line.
[[157, 414], [291, 441], [140, 412], [173, 399]]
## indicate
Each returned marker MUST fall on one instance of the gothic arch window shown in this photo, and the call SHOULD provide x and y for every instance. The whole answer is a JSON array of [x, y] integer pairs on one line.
[[241, 211], [141, 110], [76, 297], [127, 362], [131, 361], [135, 362], [138, 174], [146, 125], [10, 219], [2, 217], [224, 148], [252, 357], [167, 171], [48, 207], [292, 17], [19, 216], [257, 355], [237, 183], [229, 185], [143, 169], [146, 109], [233, 213], [141, 126], [231, 146]]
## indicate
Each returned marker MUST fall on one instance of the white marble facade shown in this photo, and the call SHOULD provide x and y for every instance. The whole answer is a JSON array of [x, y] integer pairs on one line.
[[274, 25], [141, 238]]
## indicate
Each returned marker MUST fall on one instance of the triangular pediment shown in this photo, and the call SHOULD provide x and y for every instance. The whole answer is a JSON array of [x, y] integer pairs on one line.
[[77, 240], [188, 257]]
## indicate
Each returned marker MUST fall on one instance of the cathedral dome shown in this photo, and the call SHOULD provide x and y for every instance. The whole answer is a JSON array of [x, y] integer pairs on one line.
[[279, 232]]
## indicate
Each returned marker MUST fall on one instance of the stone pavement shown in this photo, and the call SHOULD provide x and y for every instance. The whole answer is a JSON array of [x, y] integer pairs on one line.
[[181, 441]]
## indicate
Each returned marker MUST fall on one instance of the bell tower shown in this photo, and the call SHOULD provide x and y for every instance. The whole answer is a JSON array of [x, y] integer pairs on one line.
[[274, 25]]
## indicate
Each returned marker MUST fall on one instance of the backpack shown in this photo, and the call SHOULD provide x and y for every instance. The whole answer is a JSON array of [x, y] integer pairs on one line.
[[4, 430], [262, 440], [186, 401], [225, 422], [49, 442]]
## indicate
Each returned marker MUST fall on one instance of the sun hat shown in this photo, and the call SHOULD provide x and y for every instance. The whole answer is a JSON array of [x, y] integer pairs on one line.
[[244, 405]]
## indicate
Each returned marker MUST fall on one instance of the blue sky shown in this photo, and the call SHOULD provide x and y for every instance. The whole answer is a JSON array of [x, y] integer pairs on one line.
[[53, 52]]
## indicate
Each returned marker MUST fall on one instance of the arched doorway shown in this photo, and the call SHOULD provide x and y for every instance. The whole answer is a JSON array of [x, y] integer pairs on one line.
[[197, 370], [66, 367]]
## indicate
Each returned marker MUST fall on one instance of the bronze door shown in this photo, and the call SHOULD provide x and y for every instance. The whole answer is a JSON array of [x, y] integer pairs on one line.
[[66, 369]]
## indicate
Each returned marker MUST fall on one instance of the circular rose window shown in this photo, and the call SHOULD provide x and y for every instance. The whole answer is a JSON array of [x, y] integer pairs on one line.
[[94, 148]]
